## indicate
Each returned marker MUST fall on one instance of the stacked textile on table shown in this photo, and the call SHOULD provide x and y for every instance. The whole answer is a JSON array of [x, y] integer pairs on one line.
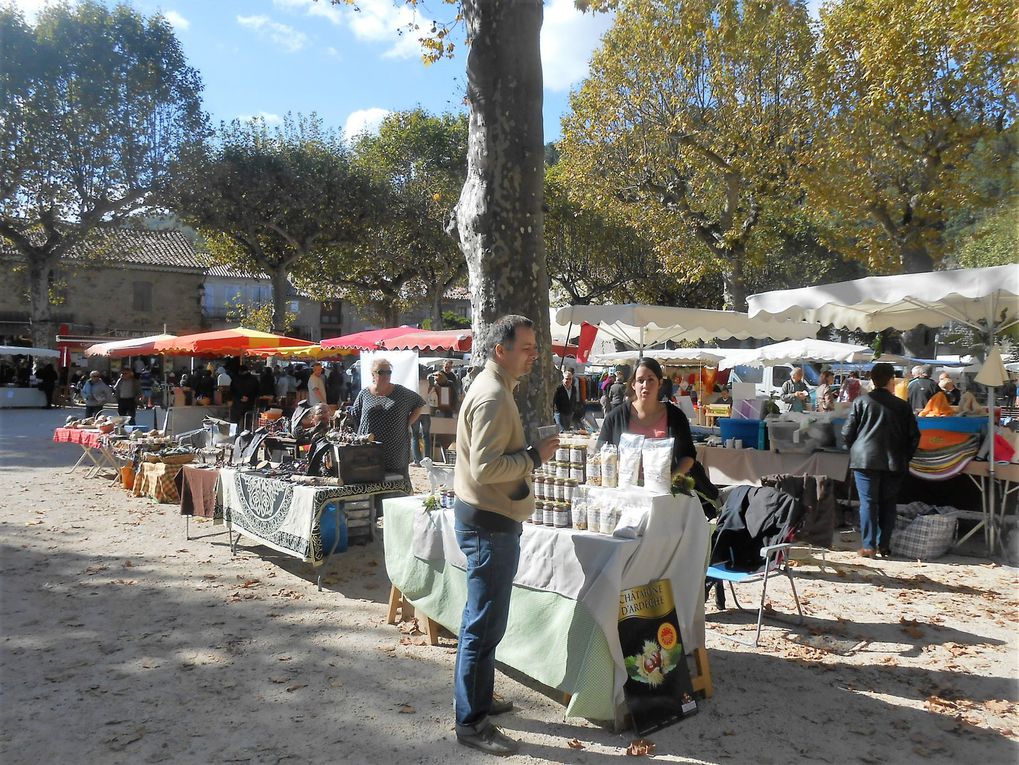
[[943, 454]]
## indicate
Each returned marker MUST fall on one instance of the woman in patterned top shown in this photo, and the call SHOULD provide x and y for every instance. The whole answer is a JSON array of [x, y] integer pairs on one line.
[[387, 410]]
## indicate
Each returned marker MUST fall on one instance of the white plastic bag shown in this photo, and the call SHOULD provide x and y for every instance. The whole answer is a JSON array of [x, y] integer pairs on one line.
[[630, 445], [657, 457]]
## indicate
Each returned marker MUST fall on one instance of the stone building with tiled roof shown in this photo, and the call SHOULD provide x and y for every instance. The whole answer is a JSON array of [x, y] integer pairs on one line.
[[136, 282], [132, 283]]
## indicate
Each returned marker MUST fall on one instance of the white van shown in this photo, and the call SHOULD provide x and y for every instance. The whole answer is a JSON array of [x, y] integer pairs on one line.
[[769, 380]]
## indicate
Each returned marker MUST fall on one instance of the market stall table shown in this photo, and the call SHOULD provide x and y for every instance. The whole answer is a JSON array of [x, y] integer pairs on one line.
[[95, 447], [156, 477], [197, 487], [735, 466], [286, 516], [991, 517], [12, 397], [564, 607]]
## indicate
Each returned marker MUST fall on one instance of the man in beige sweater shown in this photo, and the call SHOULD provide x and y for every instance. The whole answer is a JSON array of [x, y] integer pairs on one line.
[[492, 481]]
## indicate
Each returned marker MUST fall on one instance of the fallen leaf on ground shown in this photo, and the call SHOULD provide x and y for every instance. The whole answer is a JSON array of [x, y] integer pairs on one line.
[[640, 748], [574, 744], [128, 564], [912, 628], [406, 709], [250, 583]]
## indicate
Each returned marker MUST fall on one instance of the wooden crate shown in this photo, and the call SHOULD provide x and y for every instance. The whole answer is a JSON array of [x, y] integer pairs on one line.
[[360, 514]]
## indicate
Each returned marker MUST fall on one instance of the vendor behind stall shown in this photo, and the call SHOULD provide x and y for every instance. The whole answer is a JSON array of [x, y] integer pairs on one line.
[[651, 417], [96, 393], [387, 410], [313, 425], [795, 392], [128, 389]]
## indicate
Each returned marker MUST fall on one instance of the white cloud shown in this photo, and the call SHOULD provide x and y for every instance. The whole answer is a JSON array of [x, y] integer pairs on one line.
[[364, 121], [30, 8], [267, 117], [178, 22], [282, 35], [568, 37], [389, 22], [321, 8]]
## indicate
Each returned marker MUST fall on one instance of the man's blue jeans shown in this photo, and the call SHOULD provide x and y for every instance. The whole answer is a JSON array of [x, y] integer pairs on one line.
[[492, 558], [878, 490], [423, 429]]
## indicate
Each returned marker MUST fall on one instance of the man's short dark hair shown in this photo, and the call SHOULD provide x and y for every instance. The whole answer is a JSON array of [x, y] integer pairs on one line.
[[504, 330], [881, 373]]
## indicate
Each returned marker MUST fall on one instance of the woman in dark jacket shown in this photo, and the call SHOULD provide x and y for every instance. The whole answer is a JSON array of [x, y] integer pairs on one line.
[[649, 416], [882, 435]]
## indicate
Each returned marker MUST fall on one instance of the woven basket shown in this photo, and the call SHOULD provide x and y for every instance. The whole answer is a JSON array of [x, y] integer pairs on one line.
[[172, 459]]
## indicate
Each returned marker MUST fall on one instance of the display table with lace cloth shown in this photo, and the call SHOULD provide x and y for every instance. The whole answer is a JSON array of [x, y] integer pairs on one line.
[[564, 607], [285, 515]]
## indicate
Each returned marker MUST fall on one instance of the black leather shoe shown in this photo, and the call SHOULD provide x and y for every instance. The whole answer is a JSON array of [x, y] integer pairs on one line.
[[500, 706], [491, 740]]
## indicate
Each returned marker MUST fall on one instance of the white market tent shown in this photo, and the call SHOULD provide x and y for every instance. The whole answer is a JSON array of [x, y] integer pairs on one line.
[[40, 353], [796, 351], [985, 299], [680, 357], [639, 326]]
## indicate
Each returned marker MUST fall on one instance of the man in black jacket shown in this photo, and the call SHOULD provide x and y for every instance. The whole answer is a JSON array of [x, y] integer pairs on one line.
[[882, 434], [921, 387], [565, 402]]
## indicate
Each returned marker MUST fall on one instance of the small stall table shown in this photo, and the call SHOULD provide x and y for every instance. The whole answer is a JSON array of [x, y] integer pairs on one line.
[[286, 516], [95, 446], [198, 489], [157, 477], [732, 466], [12, 397], [564, 608]]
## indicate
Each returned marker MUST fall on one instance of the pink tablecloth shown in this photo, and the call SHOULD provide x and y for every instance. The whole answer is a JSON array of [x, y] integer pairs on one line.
[[82, 436]]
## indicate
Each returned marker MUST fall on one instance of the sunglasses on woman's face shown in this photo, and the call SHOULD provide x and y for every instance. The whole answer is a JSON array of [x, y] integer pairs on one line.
[[382, 372]]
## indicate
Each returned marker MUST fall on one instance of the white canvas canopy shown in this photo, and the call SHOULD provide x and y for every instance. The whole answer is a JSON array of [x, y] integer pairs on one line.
[[986, 299], [675, 356], [639, 326], [17, 350], [795, 351]]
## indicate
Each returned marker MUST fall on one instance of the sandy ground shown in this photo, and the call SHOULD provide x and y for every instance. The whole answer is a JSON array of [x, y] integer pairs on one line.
[[124, 642]]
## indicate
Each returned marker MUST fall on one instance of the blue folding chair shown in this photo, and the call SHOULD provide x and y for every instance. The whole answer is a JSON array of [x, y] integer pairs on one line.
[[776, 559]]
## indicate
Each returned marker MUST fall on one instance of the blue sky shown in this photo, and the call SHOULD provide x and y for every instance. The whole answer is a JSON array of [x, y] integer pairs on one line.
[[268, 57]]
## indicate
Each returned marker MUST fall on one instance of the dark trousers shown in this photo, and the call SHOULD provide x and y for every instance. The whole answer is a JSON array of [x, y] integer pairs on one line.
[[126, 407], [492, 558], [879, 491]]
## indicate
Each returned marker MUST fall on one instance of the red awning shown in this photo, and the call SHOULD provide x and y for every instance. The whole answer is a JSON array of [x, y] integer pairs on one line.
[[369, 339], [225, 342], [445, 340]]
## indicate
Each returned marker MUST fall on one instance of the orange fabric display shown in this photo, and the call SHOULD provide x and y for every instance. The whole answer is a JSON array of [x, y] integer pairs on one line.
[[938, 406]]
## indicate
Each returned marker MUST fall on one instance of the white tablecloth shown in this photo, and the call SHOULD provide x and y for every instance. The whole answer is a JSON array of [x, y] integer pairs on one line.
[[587, 569]]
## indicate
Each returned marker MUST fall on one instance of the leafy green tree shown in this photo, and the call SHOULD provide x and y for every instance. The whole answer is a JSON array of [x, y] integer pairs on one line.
[[95, 107], [422, 159], [690, 125], [993, 240], [275, 201], [258, 316], [593, 258], [910, 96]]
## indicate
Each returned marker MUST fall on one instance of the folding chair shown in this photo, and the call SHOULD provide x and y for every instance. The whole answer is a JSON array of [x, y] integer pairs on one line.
[[776, 561]]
